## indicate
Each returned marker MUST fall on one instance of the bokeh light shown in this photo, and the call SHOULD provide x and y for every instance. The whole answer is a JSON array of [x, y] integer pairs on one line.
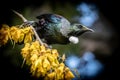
[[86, 65], [89, 14]]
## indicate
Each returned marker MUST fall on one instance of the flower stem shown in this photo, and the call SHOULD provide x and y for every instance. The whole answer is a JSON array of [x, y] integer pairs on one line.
[[25, 20], [36, 35]]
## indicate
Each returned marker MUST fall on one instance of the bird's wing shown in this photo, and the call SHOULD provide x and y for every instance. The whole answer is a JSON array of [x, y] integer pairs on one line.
[[65, 27], [50, 18]]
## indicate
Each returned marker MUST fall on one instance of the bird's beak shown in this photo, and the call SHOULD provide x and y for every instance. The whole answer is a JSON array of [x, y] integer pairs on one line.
[[86, 29], [79, 29], [82, 29]]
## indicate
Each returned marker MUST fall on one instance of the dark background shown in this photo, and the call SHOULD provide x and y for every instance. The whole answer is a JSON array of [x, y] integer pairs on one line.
[[110, 9]]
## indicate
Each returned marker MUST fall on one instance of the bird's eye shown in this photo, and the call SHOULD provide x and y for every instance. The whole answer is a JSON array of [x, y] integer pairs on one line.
[[80, 26]]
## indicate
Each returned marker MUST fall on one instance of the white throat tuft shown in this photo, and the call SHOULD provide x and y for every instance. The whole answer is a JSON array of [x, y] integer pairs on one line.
[[73, 39]]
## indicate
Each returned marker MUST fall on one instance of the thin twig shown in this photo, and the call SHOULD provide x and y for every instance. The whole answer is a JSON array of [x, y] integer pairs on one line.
[[25, 20], [36, 35], [20, 15]]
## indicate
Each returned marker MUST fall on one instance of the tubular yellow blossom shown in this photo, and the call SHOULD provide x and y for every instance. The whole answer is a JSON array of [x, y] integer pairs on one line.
[[51, 75], [20, 34], [54, 65], [50, 58], [27, 30], [36, 44], [37, 67], [60, 71], [68, 74], [28, 34], [46, 64], [21, 37], [15, 33], [43, 62], [43, 50], [55, 53], [34, 58], [48, 51], [4, 34], [25, 51], [28, 38]]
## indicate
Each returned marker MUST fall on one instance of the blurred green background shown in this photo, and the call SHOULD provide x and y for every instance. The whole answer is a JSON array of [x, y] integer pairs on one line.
[[103, 44]]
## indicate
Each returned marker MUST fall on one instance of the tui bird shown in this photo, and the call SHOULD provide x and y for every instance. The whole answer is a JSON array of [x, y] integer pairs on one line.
[[55, 29]]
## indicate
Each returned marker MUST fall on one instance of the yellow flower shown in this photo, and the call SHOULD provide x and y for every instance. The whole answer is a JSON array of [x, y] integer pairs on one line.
[[51, 76], [25, 51], [15, 33], [34, 58], [28, 34], [50, 58], [43, 62], [21, 38], [46, 64], [60, 71], [28, 38], [35, 46], [55, 53], [20, 34], [48, 51], [37, 66], [4, 34], [53, 61], [68, 74], [27, 30], [43, 49]]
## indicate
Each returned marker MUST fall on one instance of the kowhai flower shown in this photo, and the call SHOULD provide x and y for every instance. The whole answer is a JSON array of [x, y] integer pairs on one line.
[[15, 34], [4, 34], [43, 61]]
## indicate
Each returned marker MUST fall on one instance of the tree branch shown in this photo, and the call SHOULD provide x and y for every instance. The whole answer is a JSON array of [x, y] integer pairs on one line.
[[25, 20]]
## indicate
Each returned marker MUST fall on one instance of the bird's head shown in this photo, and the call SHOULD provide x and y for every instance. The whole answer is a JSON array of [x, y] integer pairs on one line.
[[77, 30]]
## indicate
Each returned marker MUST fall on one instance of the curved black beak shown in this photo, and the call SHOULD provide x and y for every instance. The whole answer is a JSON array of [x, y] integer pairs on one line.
[[83, 29], [86, 29], [79, 29]]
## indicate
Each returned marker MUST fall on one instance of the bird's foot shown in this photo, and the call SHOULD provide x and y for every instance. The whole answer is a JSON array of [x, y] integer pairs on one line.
[[27, 24]]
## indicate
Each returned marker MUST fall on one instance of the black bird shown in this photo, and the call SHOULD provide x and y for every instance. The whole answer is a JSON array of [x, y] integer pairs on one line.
[[55, 29]]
